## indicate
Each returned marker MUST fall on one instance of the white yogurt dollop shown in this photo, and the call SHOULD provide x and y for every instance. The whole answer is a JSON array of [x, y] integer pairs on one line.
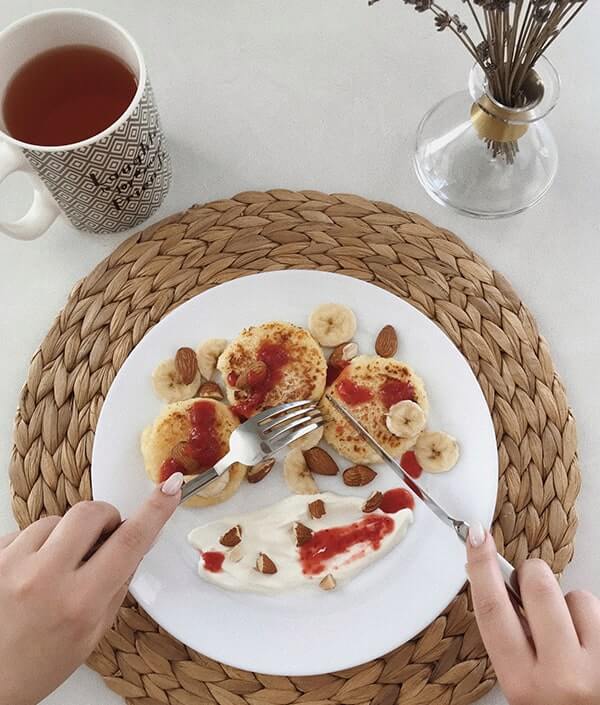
[[271, 531]]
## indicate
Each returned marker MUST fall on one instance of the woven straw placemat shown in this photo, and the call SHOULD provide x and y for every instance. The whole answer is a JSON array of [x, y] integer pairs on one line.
[[164, 265]]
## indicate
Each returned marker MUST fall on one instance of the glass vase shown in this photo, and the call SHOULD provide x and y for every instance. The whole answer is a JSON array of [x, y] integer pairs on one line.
[[486, 159]]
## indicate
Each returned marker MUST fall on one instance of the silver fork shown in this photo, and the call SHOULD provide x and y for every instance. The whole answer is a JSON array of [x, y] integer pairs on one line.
[[261, 436]]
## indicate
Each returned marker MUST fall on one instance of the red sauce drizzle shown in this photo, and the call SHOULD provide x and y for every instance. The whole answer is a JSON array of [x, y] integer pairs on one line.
[[275, 357], [395, 390], [328, 543], [203, 445], [334, 370], [353, 393], [410, 463], [213, 561], [395, 500], [170, 467]]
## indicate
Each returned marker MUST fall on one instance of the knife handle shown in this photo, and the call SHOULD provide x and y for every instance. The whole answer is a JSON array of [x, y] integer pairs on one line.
[[511, 580], [509, 573]]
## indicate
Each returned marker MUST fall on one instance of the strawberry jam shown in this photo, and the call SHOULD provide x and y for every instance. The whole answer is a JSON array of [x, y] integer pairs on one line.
[[213, 561], [170, 467], [395, 500], [334, 370], [395, 390], [353, 393], [410, 463], [329, 543], [275, 357], [203, 446]]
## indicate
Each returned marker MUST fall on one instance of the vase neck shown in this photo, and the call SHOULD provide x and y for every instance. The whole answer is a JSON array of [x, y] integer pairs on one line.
[[539, 95], [532, 94]]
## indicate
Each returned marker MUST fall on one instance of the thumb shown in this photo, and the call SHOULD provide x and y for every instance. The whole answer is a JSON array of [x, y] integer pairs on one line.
[[484, 574], [499, 624]]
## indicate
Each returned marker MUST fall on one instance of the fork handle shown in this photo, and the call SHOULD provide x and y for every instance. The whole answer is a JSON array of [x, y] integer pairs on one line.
[[190, 488]]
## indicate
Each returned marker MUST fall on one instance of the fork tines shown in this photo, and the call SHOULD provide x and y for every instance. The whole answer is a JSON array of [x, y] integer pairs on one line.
[[282, 409], [284, 424]]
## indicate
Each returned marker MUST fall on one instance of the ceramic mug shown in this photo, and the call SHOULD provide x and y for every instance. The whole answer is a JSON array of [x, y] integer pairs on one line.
[[110, 182]]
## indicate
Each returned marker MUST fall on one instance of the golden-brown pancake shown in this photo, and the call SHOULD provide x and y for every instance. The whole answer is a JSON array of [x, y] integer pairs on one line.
[[290, 365], [175, 426], [367, 387]]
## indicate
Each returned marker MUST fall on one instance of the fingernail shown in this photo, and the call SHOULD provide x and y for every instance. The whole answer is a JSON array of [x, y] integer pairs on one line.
[[476, 534], [172, 484]]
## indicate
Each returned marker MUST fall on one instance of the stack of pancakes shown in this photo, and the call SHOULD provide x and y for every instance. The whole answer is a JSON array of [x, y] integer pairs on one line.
[[303, 376]]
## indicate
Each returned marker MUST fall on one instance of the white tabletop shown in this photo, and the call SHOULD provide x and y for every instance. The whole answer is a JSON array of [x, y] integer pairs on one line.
[[327, 95]]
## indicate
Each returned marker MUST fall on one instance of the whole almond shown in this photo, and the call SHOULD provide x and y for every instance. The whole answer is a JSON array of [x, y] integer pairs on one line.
[[303, 533], [186, 364], [253, 376], [265, 565], [373, 502], [358, 476], [231, 537], [180, 455], [257, 373], [210, 390], [386, 344], [259, 471], [343, 353], [320, 462], [317, 509], [328, 582]]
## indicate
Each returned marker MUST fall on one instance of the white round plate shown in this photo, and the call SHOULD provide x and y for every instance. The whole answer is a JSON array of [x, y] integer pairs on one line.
[[308, 631]]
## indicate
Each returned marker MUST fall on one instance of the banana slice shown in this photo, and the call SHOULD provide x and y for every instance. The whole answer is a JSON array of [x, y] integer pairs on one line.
[[332, 324], [168, 385], [436, 451], [297, 475], [405, 419], [309, 441], [208, 353]]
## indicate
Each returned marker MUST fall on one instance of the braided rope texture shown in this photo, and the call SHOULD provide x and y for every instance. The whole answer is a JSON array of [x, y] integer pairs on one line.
[[162, 266]]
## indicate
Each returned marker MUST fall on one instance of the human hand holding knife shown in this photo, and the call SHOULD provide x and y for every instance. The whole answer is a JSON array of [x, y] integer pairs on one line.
[[459, 526]]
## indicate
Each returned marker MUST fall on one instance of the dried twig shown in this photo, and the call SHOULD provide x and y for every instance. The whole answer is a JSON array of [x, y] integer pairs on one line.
[[514, 35]]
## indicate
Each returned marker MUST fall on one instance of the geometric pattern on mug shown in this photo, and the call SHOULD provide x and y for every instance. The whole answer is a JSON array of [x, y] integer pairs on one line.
[[116, 183]]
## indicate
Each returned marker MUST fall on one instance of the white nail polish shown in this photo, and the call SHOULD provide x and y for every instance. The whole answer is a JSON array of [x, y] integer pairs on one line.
[[172, 484], [476, 534]]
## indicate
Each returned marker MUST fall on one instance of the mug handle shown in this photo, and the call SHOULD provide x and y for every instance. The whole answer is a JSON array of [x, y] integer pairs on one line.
[[42, 212]]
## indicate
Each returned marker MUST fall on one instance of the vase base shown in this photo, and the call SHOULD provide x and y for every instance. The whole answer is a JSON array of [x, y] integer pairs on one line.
[[475, 174], [472, 212]]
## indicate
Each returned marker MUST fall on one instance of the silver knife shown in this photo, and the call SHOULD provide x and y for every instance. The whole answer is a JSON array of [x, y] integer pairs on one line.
[[460, 527]]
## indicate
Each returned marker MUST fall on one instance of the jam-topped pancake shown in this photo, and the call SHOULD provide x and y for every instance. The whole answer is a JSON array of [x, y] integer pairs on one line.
[[368, 387], [189, 437], [272, 364]]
